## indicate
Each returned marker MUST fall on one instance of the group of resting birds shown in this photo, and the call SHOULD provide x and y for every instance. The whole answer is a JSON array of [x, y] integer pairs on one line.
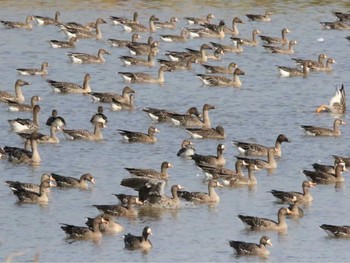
[[150, 183]]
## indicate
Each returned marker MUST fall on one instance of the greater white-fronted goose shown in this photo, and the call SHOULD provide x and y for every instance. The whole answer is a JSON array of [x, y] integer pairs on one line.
[[184, 64], [260, 223], [117, 105], [336, 231], [326, 68], [132, 136], [85, 33], [186, 150], [237, 48], [218, 32], [18, 97], [70, 87], [86, 135], [32, 197], [106, 97], [78, 26], [12, 24], [202, 197], [52, 138], [281, 50], [171, 24], [72, 182], [122, 210], [137, 27], [339, 25], [99, 116], [141, 77], [251, 249], [45, 20], [215, 56], [248, 148], [295, 209], [248, 42], [304, 197], [140, 48], [327, 178], [337, 104], [234, 30], [292, 72], [71, 43], [207, 133], [342, 16], [263, 164], [27, 125], [31, 186], [220, 69], [260, 18], [142, 242], [277, 40], [192, 117], [151, 173], [122, 20], [318, 63], [320, 131], [162, 115], [135, 61], [85, 233], [214, 80], [110, 227], [199, 20], [184, 55], [327, 168], [84, 58], [123, 43], [175, 38], [239, 180], [218, 160], [34, 71], [213, 172], [15, 106], [55, 120]]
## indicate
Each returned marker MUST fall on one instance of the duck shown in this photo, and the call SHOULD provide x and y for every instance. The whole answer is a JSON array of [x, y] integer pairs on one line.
[[27, 125], [106, 97], [121, 210], [34, 71], [123, 43], [18, 97], [45, 21], [319, 62], [260, 18], [12, 24], [70, 87], [52, 138], [215, 80], [248, 42], [117, 105], [171, 24], [99, 116], [239, 180], [336, 231], [31, 186], [292, 72], [71, 43], [251, 249], [259, 223], [72, 182], [277, 40], [320, 131], [85, 33], [86, 135], [218, 160], [175, 38], [55, 120], [141, 77], [237, 48], [220, 69], [122, 20], [234, 30], [207, 133], [132, 136], [263, 164], [199, 20], [85, 233], [280, 50], [288, 196], [134, 61], [25, 196], [326, 68], [84, 58], [248, 148], [202, 197], [327, 178], [110, 227], [151, 173], [15, 106], [222, 173], [136, 27], [337, 104], [186, 150], [142, 242]]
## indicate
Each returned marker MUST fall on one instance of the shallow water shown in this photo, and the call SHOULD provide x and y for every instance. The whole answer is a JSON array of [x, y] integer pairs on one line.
[[264, 107]]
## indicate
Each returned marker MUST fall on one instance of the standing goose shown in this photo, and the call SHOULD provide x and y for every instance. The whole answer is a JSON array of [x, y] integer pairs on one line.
[[260, 18], [151, 173], [192, 117], [99, 116], [218, 160], [32, 197], [251, 249], [71, 182], [86, 135], [220, 69], [248, 148], [27, 125], [337, 104], [136, 27], [263, 164], [140, 77], [122, 210], [303, 197], [207, 133], [276, 40], [18, 97], [12, 25], [85, 233], [202, 197], [85, 33], [214, 80], [248, 42], [84, 58], [133, 242], [110, 227], [71, 43], [320, 131], [34, 71], [123, 43], [70, 87], [281, 50], [15, 106], [106, 97], [31, 186], [186, 150], [117, 20], [336, 231], [132, 136], [327, 178], [45, 21]]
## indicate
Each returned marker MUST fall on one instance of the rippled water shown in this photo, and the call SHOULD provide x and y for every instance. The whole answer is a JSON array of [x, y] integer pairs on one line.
[[265, 106]]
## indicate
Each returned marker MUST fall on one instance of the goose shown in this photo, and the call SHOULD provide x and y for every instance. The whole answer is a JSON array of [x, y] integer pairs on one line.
[[12, 25], [199, 20], [85, 233], [326, 68], [215, 56], [327, 168], [202, 197], [72, 182], [99, 116], [291, 72], [117, 105], [304, 197], [110, 227], [106, 97], [136, 27], [220, 69], [86, 135], [234, 30], [140, 77], [336, 231], [52, 138], [18, 97], [123, 43], [327, 178], [213, 172], [55, 120], [132, 61], [186, 150], [260, 18], [207, 133], [251, 249], [218, 160], [295, 209], [175, 38], [342, 16], [15, 106], [337, 104], [215, 80], [339, 25], [70, 87], [31, 186], [84, 58], [142, 242], [318, 63], [141, 48], [276, 40], [263, 164], [45, 21], [71, 43], [34, 71], [27, 125], [248, 42], [84, 33], [219, 32], [122, 20], [320, 131], [171, 24], [238, 180], [132, 136], [189, 120], [127, 210], [151, 173], [185, 64], [32, 197], [280, 50], [163, 115], [237, 48]]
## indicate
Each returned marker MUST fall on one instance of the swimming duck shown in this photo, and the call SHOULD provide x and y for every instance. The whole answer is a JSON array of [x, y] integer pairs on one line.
[[34, 71], [85, 233], [86, 135], [72, 182], [303, 197], [320, 131], [12, 25], [336, 231], [276, 40], [141, 77], [71, 43], [202, 197], [28, 125], [337, 104], [83, 58], [70, 87], [260, 18], [142, 242], [214, 80], [263, 164], [18, 97], [186, 150], [132, 136], [106, 97], [252, 249], [151, 173], [45, 21], [15, 106], [123, 43]]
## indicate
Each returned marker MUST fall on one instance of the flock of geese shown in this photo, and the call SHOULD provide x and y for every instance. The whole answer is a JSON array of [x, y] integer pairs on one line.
[[149, 183]]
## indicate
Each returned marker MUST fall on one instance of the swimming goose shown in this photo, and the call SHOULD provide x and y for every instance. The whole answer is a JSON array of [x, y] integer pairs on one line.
[[52, 138], [192, 117], [175, 38], [133, 242], [304, 197], [218, 32], [171, 24], [136, 27], [34, 71], [181, 55], [129, 60], [320, 131], [86, 135], [230, 48], [326, 68], [291, 72], [15, 106], [186, 150], [151, 173], [280, 50], [248, 42], [85, 33], [70, 87], [71, 43], [85, 233], [239, 180], [220, 69], [162, 115], [340, 25], [251, 249], [182, 64], [326, 178], [137, 48], [218, 160], [213, 172], [18, 97], [259, 223], [11, 24], [295, 209], [55, 120], [214, 80], [260, 18], [263, 164], [342, 16], [106, 97], [72, 182], [123, 43], [83, 58], [117, 105], [99, 116], [132, 136], [337, 104], [336, 231], [110, 227], [276, 40], [122, 20], [141, 77], [45, 21], [247, 148], [234, 30], [328, 168], [27, 125], [202, 197], [32, 197], [31, 186], [215, 56], [199, 20], [207, 133], [318, 63], [127, 210]]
